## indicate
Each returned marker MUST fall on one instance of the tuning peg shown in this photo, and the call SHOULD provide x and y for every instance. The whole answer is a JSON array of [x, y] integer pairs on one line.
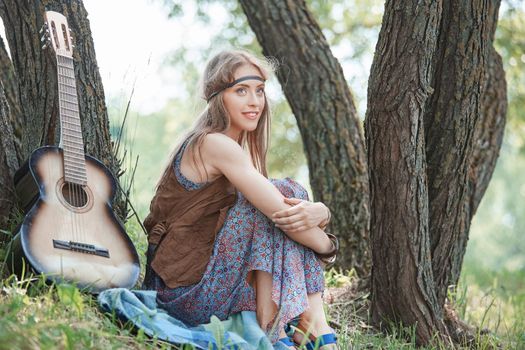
[[44, 27]]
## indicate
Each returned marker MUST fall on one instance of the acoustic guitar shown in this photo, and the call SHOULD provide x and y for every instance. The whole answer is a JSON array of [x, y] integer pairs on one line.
[[70, 232]]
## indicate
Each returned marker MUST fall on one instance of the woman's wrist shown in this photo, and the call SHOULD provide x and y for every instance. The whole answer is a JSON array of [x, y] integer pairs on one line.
[[326, 220]]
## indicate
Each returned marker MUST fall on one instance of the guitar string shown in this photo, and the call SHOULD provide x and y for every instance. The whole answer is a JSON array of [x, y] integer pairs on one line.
[[73, 187], [66, 139]]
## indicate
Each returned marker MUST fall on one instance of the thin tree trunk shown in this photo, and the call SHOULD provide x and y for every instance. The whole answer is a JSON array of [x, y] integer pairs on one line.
[[452, 115], [488, 137], [403, 289], [7, 76], [315, 87], [8, 163]]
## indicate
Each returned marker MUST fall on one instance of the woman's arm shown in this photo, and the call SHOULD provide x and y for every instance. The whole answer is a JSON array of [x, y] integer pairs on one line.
[[302, 215], [225, 155]]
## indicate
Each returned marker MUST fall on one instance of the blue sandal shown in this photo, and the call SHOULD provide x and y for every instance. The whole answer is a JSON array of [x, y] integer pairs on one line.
[[317, 342], [314, 342]]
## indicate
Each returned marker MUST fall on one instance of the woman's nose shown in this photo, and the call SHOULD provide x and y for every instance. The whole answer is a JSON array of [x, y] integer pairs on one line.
[[253, 99]]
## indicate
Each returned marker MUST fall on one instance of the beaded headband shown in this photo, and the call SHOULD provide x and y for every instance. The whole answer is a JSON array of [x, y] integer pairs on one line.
[[248, 77]]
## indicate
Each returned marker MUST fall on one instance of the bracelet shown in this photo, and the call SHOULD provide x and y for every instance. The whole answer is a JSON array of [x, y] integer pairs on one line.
[[329, 258]]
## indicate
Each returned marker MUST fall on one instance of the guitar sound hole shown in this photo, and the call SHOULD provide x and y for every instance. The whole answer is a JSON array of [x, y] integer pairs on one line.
[[74, 194]]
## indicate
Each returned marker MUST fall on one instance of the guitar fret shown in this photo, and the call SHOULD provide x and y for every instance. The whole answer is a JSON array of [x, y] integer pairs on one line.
[[74, 117], [74, 103], [68, 93], [76, 180], [70, 122], [72, 150], [67, 85], [76, 142], [70, 109], [81, 172], [74, 130], [79, 169], [77, 164], [72, 135], [73, 179], [67, 72]]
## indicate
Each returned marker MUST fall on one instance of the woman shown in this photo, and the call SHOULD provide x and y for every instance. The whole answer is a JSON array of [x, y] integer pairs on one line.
[[248, 262]]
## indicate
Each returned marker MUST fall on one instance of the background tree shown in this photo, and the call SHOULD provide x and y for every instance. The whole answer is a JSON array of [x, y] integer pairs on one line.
[[35, 81], [322, 103], [424, 127], [8, 162]]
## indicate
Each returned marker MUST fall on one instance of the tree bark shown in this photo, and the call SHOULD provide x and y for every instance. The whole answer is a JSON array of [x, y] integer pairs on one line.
[[435, 121], [8, 78], [8, 163], [315, 87], [451, 118], [36, 74], [488, 137], [403, 289]]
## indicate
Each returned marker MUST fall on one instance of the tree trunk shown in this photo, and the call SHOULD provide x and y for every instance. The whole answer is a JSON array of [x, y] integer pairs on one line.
[[451, 117], [488, 137], [403, 289], [36, 73], [8, 163], [322, 103], [8, 78], [435, 120]]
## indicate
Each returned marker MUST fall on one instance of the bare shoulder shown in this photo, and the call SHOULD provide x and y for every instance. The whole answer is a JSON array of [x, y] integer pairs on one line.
[[220, 145]]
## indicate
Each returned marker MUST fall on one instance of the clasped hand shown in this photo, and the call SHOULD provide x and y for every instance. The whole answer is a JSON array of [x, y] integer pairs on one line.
[[301, 216]]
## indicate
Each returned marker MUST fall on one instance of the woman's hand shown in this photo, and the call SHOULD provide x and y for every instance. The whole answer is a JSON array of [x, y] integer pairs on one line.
[[301, 216]]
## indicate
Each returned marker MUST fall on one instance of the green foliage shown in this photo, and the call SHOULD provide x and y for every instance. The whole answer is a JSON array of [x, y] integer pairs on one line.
[[38, 315], [510, 44]]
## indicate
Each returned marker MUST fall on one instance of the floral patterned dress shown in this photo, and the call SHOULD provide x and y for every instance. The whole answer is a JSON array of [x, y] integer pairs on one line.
[[247, 241]]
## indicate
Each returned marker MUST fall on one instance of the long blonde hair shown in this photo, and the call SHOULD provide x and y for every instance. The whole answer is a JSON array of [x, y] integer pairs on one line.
[[218, 73]]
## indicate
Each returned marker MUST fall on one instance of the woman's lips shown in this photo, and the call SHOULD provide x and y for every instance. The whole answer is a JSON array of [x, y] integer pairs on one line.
[[251, 115]]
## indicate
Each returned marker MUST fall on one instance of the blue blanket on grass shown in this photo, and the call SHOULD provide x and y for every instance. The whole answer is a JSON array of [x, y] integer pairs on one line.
[[239, 331]]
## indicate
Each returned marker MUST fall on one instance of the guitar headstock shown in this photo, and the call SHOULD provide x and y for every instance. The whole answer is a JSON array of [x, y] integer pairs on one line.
[[56, 34]]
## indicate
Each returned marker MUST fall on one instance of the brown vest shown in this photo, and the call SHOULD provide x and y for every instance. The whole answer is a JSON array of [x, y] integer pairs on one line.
[[183, 223]]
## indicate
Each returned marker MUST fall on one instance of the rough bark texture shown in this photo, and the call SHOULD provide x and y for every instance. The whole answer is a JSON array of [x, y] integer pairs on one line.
[[35, 70], [488, 137], [8, 163], [403, 289], [35, 73], [451, 118], [434, 126], [8, 78], [314, 85]]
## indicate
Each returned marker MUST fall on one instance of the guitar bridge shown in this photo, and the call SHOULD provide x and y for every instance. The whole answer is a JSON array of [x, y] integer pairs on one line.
[[81, 247]]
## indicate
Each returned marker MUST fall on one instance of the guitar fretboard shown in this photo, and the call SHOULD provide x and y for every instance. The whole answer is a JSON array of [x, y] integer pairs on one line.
[[71, 132]]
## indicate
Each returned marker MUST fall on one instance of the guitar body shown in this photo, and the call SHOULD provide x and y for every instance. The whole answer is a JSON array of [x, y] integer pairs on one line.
[[69, 231]]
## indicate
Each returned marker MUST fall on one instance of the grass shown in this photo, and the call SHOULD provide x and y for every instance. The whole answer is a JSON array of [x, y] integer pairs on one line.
[[38, 315]]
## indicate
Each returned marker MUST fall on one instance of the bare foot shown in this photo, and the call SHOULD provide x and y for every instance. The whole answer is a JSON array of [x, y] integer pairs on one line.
[[305, 333]]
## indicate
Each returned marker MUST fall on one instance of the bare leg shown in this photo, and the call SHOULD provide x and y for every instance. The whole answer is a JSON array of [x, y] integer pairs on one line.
[[266, 308], [314, 320]]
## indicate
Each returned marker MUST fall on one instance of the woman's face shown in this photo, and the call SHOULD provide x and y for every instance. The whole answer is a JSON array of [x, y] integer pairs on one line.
[[244, 101]]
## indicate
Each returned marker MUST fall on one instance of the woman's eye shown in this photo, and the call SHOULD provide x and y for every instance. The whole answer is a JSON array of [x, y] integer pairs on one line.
[[260, 91], [241, 90]]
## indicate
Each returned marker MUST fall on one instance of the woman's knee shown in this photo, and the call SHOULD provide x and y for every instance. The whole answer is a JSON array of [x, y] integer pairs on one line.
[[290, 188]]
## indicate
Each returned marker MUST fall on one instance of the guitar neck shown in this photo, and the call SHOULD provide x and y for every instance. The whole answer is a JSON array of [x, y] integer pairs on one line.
[[70, 128]]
